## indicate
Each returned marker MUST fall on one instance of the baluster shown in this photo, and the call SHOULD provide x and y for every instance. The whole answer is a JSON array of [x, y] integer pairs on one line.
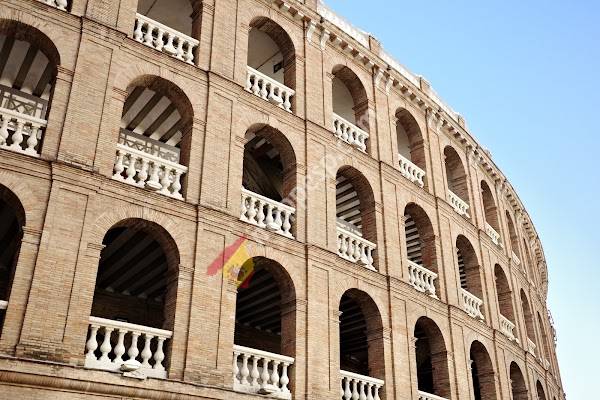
[[354, 389], [180, 52], [62, 4], [376, 397], [287, 225], [4, 130], [32, 141], [248, 87], [244, 208], [17, 137], [358, 247], [158, 42], [153, 182], [252, 212], [264, 376], [278, 221], [260, 213], [363, 254], [169, 48], [143, 174], [362, 395], [131, 170], [92, 344], [119, 167], [133, 348], [159, 354], [347, 392], [146, 352], [344, 132], [138, 34], [120, 348], [287, 104], [370, 256], [189, 54], [256, 86], [176, 186], [269, 222], [105, 347], [264, 92], [236, 369], [165, 181], [284, 378], [149, 38], [244, 372], [369, 391], [254, 373], [275, 374]]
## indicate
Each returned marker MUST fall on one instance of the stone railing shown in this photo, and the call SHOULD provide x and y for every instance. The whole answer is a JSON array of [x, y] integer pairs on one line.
[[21, 133], [531, 347], [428, 396], [266, 213], [113, 346], [507, 327], [145, 170], [148, 145], [491, 232], [355, 248], [421, 278], [355, 386], [261, 372], [60, 4], [349, 133], [471, 304], [516, 259], [269, 89], [459, 205], [410, 171], [162, 38]]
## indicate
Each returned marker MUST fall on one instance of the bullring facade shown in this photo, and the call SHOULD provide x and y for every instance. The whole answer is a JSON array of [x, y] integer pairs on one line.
[[144, 145]]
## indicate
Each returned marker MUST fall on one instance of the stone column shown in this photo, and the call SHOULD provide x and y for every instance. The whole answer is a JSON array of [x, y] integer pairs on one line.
[[56, 116]]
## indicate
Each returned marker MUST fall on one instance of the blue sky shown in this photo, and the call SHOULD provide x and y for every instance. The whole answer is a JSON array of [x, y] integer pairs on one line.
[[525, 75]]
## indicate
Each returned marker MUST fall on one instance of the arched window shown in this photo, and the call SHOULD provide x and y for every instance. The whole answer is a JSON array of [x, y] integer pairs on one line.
[[505, 303], [544, 338], [28, 67], [133, 310], [170, 26], [362, 365], [12, 220], [350, 108], [517, 383], [355, 218], [411, 147], [421, 250], [432, 360], [541, 394], [528, 262], [514, 239], [529, 325], [458, 186], [155, 136], [265, 329], [482, 373], [269, 179], [471, 289], [271, 71], [492, 225]]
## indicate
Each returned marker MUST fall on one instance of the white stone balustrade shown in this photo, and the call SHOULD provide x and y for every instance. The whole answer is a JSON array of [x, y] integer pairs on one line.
[[355, 248], [422, 279], [162, 38], [459, 205], [266, 213], [531, 347], [507, 327], [145, 170], [428, 396], [269, 89], [60, 4], [261, 372], [20, 132], [471, 304], [355, 386], [491, 232], [411, 172], [111, 344], [3, 305], [349, 133]]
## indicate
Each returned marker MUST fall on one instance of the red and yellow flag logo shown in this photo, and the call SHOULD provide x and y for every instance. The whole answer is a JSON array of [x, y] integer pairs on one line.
[[235, 262]]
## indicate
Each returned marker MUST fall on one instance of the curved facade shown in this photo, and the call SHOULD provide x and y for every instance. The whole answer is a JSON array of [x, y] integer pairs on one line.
[[220, 199]]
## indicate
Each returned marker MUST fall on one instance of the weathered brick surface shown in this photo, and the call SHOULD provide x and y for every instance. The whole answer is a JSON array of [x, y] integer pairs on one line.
[[70, 202]]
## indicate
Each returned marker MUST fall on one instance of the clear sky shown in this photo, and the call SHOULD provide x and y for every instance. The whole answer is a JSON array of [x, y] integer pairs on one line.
[[525, 75]]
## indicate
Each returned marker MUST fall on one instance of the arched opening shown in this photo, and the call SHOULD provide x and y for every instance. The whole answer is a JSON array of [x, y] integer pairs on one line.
[[482, 373], [271, 63], [458, 186], [133, 309], [355, 218], [350, 108], [514, 239], [432, 359], [517, 383], [541, 394], [12, 221], [182, 18], [265, 328], [505, 303], [361, 342], [527, 262], [411, 147], [492, 225], [153, 148], [529, 325], [421, 250], [544, 338], [28, 68], [269, 180], [471, 292]]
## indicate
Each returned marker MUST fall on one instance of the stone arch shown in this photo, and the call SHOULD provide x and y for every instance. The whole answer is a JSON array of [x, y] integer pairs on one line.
[[504, 293], [482, 372], [489, 207], [517, 383], [545, 347], [528, 316], [28, 199], [361, 335], [421, 243], [541, 393], [350, 98], [456, 174], [514, 239], [410, 139], [469, 267], [431, 353]]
